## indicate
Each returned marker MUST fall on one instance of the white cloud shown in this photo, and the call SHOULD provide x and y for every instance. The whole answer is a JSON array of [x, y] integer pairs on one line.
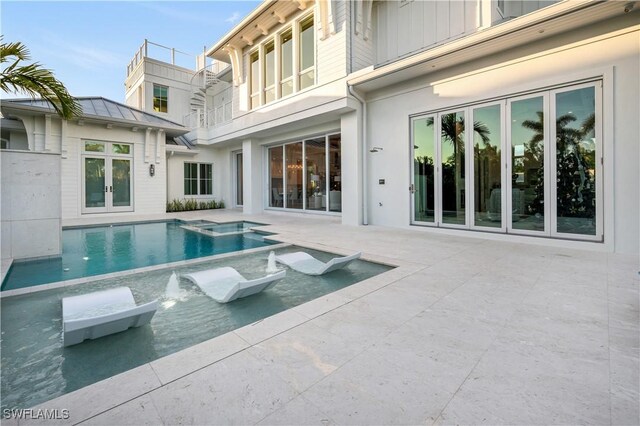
[[86, 56], [233, 18]]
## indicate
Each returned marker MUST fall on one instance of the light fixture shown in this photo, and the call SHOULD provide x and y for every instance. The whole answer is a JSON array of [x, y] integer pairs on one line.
[[629, 7], [375, 149], [152, 170]]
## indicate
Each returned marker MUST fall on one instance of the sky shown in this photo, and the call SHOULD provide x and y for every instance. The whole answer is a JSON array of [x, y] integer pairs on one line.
[[88, 44]]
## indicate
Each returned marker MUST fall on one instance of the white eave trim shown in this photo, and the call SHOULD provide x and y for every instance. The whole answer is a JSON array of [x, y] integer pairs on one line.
[[241, 25], [500, 30]]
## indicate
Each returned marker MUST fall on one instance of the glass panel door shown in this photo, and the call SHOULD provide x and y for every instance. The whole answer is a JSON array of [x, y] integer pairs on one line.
[[452, 163], [576, 161], [95, 185], [315, 153], [527, 204], [121, 183], [486, 167], [239, 181], [293, 160], [335, 175], [276, 182], [423, 141]]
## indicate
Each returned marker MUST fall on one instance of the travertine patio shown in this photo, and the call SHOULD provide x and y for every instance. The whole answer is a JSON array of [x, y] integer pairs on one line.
[[465, 330]]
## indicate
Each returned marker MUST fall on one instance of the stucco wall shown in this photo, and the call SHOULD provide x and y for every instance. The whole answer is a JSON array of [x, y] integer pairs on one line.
[[30, 197], [603, 51]]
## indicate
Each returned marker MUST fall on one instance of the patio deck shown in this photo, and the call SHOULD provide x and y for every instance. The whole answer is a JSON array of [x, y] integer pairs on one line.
[[465, 330]]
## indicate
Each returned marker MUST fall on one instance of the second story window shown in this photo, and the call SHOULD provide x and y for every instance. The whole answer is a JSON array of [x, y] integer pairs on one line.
[[286, 64], [160, 98], [277, 69], [269, 73], [307, 54], [255, 80]]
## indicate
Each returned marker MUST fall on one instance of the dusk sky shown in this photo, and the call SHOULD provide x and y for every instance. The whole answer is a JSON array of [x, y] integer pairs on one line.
[[89, 44]]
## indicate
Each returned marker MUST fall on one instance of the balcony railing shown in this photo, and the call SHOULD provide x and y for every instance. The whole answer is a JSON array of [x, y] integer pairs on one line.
[[161, 53], [210, 117]]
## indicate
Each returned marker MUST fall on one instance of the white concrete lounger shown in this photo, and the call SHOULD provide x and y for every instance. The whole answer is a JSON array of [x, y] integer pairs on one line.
[[307, 264], [226, 284], [101, 313]]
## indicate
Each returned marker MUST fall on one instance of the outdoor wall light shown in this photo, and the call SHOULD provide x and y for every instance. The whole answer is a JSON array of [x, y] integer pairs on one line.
[[629, 7], [375, 149], [152, 170]]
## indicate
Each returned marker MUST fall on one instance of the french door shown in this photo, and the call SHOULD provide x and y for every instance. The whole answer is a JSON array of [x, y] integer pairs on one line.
[[529, 165], [107, 184]]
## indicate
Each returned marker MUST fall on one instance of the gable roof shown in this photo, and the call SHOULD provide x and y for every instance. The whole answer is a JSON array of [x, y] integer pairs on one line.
[[102, 109]]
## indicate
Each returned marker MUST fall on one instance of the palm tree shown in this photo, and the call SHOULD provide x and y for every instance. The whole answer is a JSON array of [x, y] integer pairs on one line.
[[34, 80]]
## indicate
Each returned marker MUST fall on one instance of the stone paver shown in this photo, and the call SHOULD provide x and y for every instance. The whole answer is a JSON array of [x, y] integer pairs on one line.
[[466, 331]]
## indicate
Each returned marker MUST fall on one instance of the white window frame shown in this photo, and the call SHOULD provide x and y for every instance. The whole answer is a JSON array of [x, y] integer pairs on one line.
[[296, 74], [198, 179], [108, 157], [550, 167]]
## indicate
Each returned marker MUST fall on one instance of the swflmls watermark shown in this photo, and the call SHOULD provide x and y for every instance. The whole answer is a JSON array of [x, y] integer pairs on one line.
[[35, 413]]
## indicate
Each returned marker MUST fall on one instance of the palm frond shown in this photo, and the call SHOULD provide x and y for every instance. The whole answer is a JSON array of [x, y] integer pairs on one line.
[[35, 81]]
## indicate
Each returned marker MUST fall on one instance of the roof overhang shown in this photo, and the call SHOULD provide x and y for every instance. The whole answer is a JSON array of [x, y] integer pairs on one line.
[[555, 19], [10, 110], [269, 14]]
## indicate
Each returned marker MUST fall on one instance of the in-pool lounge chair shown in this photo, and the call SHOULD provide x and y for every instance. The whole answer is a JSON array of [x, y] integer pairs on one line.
[[101, 313], [307, 264], [226, 284]]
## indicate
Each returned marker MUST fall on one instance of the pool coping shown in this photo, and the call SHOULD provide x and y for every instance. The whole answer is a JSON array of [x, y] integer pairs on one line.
[[99, 397]]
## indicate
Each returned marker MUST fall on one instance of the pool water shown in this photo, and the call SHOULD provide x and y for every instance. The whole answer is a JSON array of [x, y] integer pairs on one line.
[[224, 228], [89, 251], [36, 367]]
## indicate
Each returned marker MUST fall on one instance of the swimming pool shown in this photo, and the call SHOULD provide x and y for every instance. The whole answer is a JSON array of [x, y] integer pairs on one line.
[[36, 367], [97, 250], [224, 228]]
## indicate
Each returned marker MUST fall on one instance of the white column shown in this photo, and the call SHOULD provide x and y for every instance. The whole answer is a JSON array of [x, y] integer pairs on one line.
[[351, 169], [147, 142], [47, 133], [252, 182]]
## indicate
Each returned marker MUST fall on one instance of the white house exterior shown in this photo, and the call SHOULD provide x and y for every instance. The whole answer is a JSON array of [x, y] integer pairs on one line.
[[111, 160], [359, 109], [512, 120]]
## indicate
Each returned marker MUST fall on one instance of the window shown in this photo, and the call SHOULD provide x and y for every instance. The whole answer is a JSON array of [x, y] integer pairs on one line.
[[286, 64], [272, 76], [305, 175], [307, 53], [198, 179], [160, 99], [255, 80], [269, 73]]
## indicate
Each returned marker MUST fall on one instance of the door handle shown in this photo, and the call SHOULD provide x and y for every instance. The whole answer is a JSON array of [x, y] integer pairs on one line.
[[412, 188], [106, 189], [110, 188]]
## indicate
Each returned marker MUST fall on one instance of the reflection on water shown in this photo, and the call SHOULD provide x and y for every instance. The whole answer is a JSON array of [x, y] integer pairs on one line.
[[36, 367]]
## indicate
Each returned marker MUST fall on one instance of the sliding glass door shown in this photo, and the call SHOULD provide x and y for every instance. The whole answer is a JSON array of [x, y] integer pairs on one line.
[[533, 167], [306, 175]]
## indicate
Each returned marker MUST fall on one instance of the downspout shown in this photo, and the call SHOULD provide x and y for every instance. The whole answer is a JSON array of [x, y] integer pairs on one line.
[[363, 132]]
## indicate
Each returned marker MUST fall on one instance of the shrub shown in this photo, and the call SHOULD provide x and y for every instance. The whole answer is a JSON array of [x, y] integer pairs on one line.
[[191, 204]]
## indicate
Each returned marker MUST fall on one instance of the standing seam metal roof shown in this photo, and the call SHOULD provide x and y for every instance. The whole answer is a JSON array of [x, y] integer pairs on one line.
[[101, 107]]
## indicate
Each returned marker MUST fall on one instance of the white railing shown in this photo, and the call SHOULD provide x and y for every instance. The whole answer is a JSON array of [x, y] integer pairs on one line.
[[203, 118], [143, 52]]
